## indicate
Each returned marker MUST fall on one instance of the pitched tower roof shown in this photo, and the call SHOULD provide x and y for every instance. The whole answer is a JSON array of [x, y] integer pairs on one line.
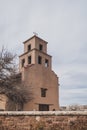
[[35, 37]]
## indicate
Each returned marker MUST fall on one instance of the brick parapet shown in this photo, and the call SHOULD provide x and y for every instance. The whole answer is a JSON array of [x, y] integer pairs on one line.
[[51, 120]]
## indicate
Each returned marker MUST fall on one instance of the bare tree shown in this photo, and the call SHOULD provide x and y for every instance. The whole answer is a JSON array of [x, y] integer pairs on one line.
[[10, 80], [6, 64]]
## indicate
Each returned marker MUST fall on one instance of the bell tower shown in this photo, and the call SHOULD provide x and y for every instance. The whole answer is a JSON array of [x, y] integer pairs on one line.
[[35, 52], [36, 68]]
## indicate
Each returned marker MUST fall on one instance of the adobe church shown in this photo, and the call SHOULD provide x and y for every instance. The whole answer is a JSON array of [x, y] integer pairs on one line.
[[36, 68]]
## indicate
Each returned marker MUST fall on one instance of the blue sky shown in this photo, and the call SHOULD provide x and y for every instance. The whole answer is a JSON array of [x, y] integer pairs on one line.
[[63, 23]]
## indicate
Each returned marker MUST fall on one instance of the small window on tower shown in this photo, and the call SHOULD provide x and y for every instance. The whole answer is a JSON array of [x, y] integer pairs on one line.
[[29, 59], [39, 59], [29, 47], [43, 92], [46, 63], [40, 47], [23, 61]]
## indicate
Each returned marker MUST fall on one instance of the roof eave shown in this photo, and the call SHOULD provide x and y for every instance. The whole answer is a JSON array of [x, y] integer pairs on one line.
[[35, 37]]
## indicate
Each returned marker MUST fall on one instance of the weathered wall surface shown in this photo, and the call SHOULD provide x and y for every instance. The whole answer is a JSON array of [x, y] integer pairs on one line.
[[34, 76], [35, 120]]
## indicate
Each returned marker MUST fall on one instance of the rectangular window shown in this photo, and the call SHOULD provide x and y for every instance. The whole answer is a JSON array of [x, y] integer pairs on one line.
[[46, 63], [29, 47], [43, 107], [40, 47], [39, 59], [23, 61], [43, 92], [29, 59]]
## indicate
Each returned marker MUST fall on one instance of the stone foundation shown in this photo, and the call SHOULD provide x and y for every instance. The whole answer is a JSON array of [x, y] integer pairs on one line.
[[51, 120]]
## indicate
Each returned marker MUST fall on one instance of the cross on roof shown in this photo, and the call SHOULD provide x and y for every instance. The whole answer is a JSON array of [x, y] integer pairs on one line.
[[35, 33]]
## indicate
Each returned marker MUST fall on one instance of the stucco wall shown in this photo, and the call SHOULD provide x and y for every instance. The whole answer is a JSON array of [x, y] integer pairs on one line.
[[3, 100], [52, 120], [39, 77]]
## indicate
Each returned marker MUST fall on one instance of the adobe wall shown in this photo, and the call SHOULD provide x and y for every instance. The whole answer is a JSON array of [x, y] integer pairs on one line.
[[34, 76], [51, 120]]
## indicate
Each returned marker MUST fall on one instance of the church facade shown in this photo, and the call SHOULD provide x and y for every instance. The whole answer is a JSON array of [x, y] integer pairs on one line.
[[35, 65]]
